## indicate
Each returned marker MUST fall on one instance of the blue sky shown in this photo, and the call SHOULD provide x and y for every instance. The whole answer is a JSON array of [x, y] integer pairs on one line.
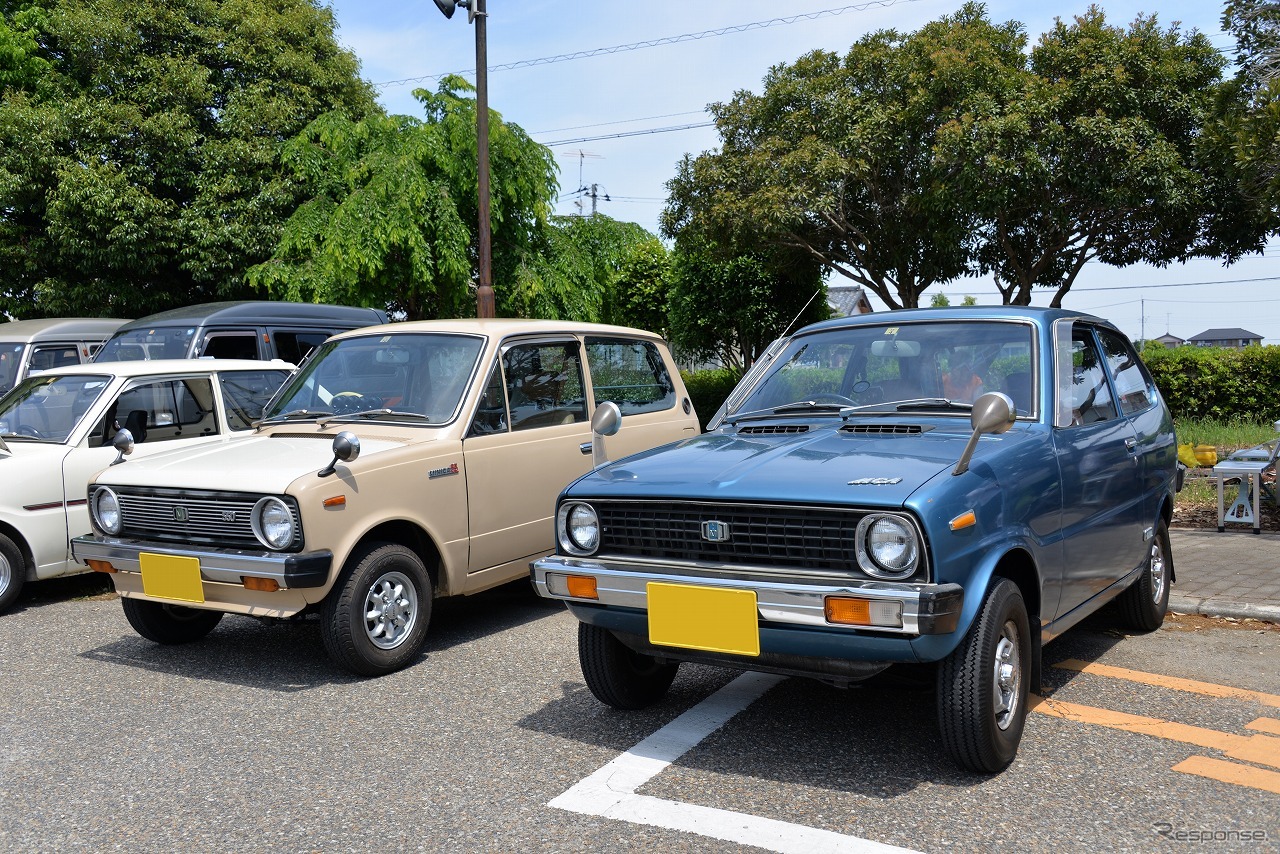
[[607, 115]]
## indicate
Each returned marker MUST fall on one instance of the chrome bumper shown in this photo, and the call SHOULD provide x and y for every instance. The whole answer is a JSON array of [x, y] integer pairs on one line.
[[926, 608], [229, 566]]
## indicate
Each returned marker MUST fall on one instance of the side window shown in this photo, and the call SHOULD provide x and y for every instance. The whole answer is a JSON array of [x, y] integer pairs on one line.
[[631, 374], [1090, 396], [54, 357], [544, 385], [231, 345], [293, 345], [246, 393], [491, 414], [166, 410], [1133, 386]]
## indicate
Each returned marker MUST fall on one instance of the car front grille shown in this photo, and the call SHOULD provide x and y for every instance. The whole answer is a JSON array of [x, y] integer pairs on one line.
[[200, 517], [810, 538]]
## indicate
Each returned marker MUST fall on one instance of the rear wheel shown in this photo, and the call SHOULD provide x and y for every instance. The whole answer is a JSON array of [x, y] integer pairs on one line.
[[13, 572], [617, 675], [982, 685], [375, 621], [161, 622], [1146, 601]]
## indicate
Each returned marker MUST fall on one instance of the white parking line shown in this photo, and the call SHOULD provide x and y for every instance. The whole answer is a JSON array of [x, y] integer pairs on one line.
[[611, 791]]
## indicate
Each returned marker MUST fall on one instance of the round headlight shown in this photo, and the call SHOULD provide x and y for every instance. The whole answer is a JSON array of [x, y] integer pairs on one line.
[[888, 547], [273, 523], [580, 528], [106, 510]]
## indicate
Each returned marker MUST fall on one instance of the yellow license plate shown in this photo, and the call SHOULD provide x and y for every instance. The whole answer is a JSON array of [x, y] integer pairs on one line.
[[712, 619], [170, 577]]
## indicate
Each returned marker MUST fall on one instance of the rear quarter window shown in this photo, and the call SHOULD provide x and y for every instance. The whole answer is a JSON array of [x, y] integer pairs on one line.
[[631, 374]]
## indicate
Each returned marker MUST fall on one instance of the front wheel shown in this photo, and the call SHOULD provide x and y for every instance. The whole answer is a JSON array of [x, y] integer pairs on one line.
[[160, 622], [1145, 602], [375, 621], [13, 572], [619, 676], [982, 684]]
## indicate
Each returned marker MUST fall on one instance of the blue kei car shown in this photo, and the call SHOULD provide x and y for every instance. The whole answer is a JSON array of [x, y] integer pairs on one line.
[[957, 486]]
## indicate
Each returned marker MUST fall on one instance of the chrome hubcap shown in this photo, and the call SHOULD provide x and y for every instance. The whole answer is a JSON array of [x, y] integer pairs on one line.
[[1007, 681], [390, 610], [6, 574], [1157, 571]]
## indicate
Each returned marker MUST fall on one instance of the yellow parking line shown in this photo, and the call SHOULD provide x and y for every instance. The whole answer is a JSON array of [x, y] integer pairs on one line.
[[1262, 749], [1207, 689], [1270, 725], [1230, 772]]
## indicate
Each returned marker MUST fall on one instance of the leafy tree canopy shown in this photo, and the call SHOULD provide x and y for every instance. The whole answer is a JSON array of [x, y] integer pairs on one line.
[[139, 164], [393, 211]]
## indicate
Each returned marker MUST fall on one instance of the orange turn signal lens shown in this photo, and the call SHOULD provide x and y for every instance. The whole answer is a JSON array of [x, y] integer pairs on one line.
[[852, 612], [264, 585], [965, 520], [335, 501], [582, 586], [100, 565]]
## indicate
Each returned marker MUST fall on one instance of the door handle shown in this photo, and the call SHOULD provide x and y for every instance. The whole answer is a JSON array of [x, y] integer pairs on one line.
[[585, 447], [1130, 444]]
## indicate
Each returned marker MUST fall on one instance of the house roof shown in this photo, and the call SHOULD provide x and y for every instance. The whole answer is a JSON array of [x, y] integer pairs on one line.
[[845, 300], [1227, 334]]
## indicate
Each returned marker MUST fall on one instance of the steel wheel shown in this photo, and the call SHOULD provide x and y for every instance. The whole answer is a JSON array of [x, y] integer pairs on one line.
[[390, 610], [1158, 571], [1143, 605], [13, 572], [1006, 683]]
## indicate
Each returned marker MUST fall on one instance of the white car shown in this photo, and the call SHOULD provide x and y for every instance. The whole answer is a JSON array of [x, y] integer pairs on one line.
[[57, 430]]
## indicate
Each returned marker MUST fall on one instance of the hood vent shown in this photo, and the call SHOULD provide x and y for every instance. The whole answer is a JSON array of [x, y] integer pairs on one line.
[[885, 429], [773, 429]]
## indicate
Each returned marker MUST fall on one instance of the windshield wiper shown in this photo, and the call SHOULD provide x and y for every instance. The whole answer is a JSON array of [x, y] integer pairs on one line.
[[806, 407], [295, 415], [376, 413], [932, 403]]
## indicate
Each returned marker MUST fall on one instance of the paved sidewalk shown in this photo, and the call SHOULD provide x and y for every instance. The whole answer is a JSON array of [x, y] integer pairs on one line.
[[1232, 574]]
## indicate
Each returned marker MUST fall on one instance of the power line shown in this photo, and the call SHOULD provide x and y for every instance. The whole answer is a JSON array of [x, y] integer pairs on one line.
[[666, 40], [620, 122], [621, 134]]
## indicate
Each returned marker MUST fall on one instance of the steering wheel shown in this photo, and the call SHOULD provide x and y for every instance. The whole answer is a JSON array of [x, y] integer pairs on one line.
[[347, 402], [28, 430], [832, 397]]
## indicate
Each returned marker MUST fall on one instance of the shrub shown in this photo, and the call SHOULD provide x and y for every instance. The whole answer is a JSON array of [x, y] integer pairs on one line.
[[708, 389], [1218, 383]]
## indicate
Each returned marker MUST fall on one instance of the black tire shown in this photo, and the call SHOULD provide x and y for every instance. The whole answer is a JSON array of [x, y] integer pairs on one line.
[[1145, 602], [161, 622], [980, 713], [375, 619], [617, 675], [13, 573]]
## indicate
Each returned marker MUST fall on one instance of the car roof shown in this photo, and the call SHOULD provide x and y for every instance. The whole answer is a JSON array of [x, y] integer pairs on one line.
[[145, 367], [261, 311], [502, 326], [58, 328], [1040, 314]]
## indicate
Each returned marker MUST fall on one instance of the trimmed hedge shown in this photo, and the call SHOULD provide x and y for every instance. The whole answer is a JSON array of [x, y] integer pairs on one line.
[[708, 389], [1197, 382], [1214, 382]]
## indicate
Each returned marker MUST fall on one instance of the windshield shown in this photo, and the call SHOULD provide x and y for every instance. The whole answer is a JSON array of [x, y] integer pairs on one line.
[[10, 358], [47, 408], [914, 366], [156, 342], [418, 376]]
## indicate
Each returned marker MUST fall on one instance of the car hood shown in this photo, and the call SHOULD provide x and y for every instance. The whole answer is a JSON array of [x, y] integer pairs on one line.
[[261, 463], [826, 464]]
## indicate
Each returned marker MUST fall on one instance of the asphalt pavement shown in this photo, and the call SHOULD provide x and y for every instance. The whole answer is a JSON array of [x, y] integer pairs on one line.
[[1235, 573]]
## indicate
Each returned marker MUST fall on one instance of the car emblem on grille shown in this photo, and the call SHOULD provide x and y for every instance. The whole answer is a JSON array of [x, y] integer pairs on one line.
[[228, 515], [179, 514], [715, 532]]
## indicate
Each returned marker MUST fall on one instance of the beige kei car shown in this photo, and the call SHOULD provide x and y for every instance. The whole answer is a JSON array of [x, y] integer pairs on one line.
[[400, 463]]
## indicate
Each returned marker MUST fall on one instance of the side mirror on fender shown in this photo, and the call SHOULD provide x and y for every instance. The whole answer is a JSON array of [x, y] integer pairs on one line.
[[992, 413], [122, 442], [605, 422], [346, 447]]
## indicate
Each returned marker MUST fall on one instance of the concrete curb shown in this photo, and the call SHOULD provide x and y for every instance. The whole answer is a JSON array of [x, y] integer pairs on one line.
[[1218, 608]]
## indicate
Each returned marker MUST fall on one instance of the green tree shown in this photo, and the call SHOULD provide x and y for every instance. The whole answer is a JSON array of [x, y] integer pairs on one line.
[[728, 306], [21, 65], [576, 273], [642, 287], [142, 169], [1097, 156], [392, 213], [836, 157]]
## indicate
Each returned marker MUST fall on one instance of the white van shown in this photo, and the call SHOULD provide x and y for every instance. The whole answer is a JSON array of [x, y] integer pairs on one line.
[[35, 345]]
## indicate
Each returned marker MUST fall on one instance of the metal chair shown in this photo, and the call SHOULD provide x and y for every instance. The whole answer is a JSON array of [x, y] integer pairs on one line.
[[1250, 465]]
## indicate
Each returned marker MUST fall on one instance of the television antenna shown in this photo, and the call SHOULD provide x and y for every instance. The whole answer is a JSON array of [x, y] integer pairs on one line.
[[582, 157]]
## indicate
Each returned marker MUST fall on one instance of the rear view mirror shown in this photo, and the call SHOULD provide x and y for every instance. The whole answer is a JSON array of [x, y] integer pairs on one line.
[[391, 356], [894, 349]]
